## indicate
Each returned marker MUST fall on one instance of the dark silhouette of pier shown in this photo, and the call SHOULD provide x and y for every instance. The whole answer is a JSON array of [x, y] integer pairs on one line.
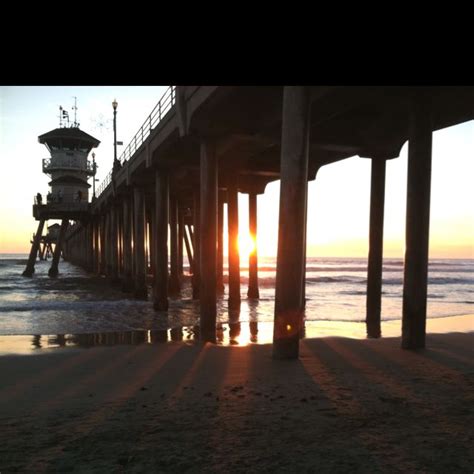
[[202, 145]]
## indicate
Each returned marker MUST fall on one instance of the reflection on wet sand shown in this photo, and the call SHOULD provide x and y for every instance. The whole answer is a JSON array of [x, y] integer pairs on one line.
[[242, 329], [253, 326], [232, 333], [36, 341]]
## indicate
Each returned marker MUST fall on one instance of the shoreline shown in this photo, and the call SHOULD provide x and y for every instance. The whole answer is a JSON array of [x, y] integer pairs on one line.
[[240, 334]]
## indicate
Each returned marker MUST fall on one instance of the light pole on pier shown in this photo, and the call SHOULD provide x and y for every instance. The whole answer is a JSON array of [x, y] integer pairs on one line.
[[116, 162]]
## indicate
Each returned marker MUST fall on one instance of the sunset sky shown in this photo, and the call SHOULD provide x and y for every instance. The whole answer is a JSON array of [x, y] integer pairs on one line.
[[338, 205]]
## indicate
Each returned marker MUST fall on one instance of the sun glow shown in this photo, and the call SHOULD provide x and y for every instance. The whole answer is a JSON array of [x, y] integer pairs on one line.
[[246, 245]]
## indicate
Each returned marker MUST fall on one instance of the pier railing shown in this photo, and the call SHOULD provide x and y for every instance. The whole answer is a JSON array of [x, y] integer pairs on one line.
[[55, 200], [106, 181], [69, 163], [163, 106]]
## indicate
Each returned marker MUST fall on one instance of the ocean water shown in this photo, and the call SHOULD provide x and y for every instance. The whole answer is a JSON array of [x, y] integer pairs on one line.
[[77, 306]]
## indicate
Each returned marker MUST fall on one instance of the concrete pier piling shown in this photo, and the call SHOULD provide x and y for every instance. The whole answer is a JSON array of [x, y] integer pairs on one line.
[[291, 235], [174, 283], [127, 281], [140, 288], [151, 234], [195, 238], [89, 247], [208, 240], [114, 248], [253, 291], [415, 279], [96, 237], [53, 271], [233, 241], [102, 238], [108, 244], [374, 270], [160, 239], [30, 266], [180, 241], [220, 247], [189, 252]]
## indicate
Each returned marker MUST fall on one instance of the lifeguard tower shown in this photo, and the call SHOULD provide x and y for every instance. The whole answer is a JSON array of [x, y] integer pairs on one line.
[[68, 198]]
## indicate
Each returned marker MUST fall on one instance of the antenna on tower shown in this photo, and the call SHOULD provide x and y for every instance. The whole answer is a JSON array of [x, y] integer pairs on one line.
[[76, 124], [63, 117]]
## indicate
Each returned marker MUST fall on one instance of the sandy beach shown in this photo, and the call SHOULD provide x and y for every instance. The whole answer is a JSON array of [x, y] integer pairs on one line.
[[210, 221], [347, 405]]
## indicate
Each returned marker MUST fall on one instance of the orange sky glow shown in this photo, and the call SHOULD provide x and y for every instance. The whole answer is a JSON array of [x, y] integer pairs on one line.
[[338, 200]]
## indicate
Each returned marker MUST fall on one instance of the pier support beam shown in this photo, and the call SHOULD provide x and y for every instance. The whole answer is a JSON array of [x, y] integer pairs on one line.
[[303, 275], [119, 214], [180, 240], [291, 233], [415, 282], [53, 271], [220, 247], [96, 257], [148, 258], [89, 229], [253, 291], [195, 239], [108, 244], [152, 234], [233, 232], [207, 292], [127, 281], [174, 285], [160, 239], [102, 239], [140, 290], [374, 271], [41, 250], [49, 251], [191, 232], [30, 266], [114, 248], [84, 249], [188, 251]]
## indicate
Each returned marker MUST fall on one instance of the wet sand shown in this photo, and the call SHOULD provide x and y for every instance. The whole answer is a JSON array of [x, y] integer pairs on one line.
[[241, 333], [346, 405]]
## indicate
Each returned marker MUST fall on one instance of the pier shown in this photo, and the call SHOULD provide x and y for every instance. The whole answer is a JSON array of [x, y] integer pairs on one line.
[[200, 147]]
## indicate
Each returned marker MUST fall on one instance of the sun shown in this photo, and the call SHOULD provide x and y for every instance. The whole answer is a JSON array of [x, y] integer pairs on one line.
[[246, 245]]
